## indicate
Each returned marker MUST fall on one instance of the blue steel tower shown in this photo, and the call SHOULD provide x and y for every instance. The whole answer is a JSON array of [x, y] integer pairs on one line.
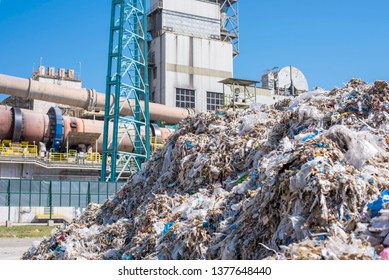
[[127, 86]]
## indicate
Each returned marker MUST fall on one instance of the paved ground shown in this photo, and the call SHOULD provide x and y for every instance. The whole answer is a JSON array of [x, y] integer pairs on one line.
[[13, 248]]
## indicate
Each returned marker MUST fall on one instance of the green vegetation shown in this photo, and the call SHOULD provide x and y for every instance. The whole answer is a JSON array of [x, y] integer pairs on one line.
[[25, 231]]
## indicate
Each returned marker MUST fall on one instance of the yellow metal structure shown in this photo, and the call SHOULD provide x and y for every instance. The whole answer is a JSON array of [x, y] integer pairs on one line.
[[23, 149], [93, 157], [155, 143], [74, 157], [47, 215]]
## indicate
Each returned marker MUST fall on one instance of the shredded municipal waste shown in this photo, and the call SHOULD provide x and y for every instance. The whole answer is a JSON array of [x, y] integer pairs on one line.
[[306, 178]]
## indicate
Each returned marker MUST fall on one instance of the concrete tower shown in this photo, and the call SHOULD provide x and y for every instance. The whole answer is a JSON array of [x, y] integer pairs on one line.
[[192, 49]]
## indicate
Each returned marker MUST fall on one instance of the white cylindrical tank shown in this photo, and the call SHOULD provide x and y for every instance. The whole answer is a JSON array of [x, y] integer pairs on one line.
[[291, 75]]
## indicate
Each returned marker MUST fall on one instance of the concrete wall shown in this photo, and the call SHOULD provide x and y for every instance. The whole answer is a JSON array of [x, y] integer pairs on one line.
[[27, 214], [192, 7], [60, 82], [262, 95], [191, 63], [186, 51], [31, 171], [192, 18], [269, 99], [265, 96]]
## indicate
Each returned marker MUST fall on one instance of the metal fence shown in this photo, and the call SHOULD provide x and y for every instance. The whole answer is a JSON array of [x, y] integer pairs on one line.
[[37, 193]]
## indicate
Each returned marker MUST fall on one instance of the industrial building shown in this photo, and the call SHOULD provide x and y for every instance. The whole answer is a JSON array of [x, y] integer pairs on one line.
[[51, 128], [181, 159], [188, 54]]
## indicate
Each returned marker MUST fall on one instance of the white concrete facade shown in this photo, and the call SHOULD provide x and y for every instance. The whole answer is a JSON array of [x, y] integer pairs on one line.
[[266, 96], [29, 170], [192, 7], [188, 63], [187, 53]]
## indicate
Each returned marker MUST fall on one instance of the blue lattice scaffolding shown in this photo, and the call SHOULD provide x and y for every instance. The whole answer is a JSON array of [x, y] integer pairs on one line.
[[127, 118]]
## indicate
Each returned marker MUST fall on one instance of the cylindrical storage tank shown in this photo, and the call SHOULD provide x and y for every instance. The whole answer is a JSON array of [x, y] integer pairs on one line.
[[285, 76]]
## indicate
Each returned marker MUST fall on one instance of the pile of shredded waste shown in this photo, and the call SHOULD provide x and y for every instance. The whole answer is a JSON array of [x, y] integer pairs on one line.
[[306, 178]]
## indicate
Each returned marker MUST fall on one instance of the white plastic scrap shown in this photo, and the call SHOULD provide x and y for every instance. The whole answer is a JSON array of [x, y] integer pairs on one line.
[[290, 180]]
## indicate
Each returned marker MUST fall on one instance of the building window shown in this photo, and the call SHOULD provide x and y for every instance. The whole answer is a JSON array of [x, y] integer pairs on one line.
[[152, 97], [154, 73], [185, 98], [215, 100]]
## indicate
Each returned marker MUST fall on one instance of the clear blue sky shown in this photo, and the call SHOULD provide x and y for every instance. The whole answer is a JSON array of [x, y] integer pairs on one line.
[[331, 41]]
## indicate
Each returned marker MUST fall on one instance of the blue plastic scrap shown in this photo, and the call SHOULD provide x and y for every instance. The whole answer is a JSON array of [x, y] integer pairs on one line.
[[310, 136], [363, 109], [167, 227], [289, 240], [253, 176], [293, 107], [188, 144], [300, 128], [127, 257], [377, 205]]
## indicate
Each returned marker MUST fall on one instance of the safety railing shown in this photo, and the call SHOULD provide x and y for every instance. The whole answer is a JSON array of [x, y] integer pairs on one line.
[[61, 157], [23, 149], [93, 157], [26, 150], [74, 157]]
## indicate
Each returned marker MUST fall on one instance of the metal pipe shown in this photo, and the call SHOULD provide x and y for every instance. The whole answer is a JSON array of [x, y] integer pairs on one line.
[[5, 124], [71, 124], [36, 127], [82, 98]]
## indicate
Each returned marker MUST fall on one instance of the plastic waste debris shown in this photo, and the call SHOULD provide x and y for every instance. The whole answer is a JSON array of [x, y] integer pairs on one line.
[[287, 181], [377, 205], [385, 254], [167, 227]]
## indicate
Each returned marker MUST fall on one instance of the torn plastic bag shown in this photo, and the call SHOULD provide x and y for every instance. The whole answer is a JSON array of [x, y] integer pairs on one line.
[[377, 205]]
